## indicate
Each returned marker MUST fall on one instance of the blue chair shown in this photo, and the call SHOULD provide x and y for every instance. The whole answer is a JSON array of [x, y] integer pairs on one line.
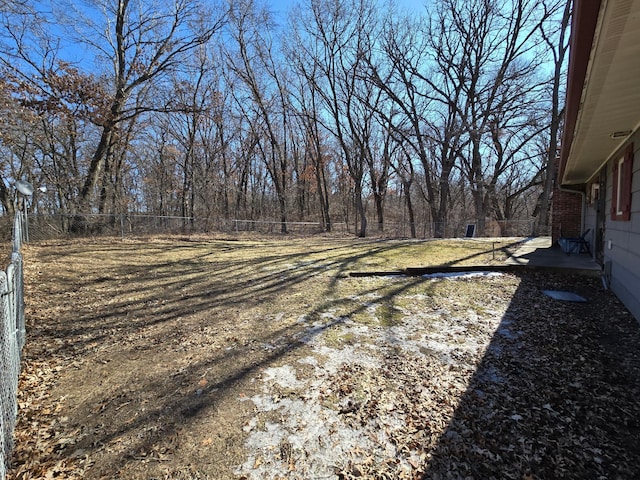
[[578, 245]]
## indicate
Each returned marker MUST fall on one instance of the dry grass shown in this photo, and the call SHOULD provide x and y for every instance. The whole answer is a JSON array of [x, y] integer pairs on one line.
[[142, 355]]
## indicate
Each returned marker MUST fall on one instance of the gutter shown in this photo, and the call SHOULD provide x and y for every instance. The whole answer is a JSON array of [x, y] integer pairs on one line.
[[583, 26]]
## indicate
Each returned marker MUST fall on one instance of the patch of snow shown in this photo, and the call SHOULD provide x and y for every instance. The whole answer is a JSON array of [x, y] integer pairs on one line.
[[508, 334], [284, 376], [253, 423], [334, 358], [313, 361], [306, 438], [461, 275], [315, 435]]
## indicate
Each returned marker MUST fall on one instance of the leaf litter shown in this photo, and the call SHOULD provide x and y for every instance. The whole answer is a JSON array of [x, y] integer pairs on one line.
[[370, 408], [446, 394], [389, 405], [394, 377]]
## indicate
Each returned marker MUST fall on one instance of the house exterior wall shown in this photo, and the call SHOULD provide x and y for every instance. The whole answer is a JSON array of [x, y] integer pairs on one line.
[[566, 211], [622, 240], [590, 219]]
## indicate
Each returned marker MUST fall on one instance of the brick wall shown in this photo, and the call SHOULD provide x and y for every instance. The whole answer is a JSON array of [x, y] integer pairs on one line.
[[566, 211]]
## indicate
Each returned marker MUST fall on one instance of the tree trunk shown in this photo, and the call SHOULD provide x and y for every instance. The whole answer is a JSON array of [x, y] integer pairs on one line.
[[409, 204], [542, 223], [442, 213], [360, 213], [323, 191], [325, 205], [379, 201], [283, 214], [7, 200], [95, 168]]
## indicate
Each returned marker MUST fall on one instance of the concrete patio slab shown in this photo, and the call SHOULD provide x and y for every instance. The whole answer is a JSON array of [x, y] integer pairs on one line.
[[539, 252]]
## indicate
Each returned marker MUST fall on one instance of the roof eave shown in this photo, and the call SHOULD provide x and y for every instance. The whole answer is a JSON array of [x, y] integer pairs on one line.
[[583, 26]]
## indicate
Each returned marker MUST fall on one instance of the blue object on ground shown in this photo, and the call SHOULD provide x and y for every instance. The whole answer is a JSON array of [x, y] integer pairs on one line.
[[564, 296]]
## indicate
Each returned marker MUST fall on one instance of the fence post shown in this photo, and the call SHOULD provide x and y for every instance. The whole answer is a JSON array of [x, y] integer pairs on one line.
[[17, 232], [12, 339], [9, 368], [18, 292]]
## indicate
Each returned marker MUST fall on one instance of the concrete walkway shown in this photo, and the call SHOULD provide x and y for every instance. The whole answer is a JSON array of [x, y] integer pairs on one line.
[[538, 252]]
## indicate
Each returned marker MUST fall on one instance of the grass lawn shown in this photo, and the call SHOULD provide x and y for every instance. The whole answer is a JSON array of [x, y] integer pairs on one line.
[[264, 359]]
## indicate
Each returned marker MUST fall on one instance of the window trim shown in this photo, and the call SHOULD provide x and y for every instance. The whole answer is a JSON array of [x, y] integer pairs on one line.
[[621, 184]]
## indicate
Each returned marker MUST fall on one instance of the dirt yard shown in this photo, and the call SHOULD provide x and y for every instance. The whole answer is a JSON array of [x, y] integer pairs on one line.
[[264, 359]]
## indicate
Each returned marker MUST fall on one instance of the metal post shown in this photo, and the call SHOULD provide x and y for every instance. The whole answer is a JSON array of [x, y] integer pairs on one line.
[[26, 220], [25, 189]]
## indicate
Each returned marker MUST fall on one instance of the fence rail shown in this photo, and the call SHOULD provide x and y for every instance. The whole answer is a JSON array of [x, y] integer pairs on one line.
[[48, 227], [51, 227], [12, 339]]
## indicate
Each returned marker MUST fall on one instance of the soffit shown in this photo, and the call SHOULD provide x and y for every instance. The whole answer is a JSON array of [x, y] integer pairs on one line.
[[611, 93]]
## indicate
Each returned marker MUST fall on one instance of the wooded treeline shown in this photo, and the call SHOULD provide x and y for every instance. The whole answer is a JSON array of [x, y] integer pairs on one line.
[[349, 111]]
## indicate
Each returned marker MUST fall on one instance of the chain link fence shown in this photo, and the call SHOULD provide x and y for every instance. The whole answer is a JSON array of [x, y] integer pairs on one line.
[[12, 339], [52, 227]]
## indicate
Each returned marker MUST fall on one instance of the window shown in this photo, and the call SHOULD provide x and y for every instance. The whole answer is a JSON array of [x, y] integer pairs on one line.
[[622, 175]]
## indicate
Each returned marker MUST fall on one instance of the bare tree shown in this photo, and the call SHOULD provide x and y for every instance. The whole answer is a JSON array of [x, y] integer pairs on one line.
[[255, 64], [27, 53], [314, 145], [497, 56], [59, 110], [332, 40], [19, 127], [426, 100], [145, 42], [165, 115], [193, 98], [555, 35], [158, 167]]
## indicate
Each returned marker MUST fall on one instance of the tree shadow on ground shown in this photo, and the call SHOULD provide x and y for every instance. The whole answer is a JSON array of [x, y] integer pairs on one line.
[[556, 395], [144, 368], [167, 347]]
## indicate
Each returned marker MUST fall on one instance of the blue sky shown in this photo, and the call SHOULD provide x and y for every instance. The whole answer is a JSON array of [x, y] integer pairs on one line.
[[282, 6], [74, 53]]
